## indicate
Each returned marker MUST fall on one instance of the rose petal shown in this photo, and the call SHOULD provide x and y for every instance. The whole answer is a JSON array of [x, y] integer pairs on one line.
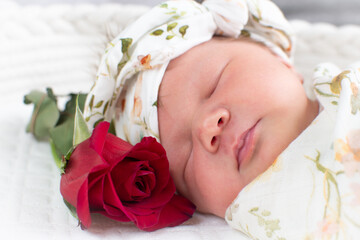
[[177, 211], [123, 176], [140, 211], [160, 165], [156, 200], [160, 198], [142, 154], [74, 183], [151, 143], [82, 207], [112, 204], [148, 178], [96, 189], [113, 213], [123, 171], [142, 185], [151, 151], [147, 221], [115, 149], [83, 161], [151, 147], [97, 139]]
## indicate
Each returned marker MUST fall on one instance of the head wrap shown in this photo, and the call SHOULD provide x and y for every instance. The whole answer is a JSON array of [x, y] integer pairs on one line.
[[132, 68]]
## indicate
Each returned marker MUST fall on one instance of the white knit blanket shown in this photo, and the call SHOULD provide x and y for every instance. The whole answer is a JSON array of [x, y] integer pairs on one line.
[[60, 46]]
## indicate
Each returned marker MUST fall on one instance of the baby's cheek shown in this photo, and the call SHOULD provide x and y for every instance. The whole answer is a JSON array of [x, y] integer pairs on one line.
[[212, 188], [177, 172]]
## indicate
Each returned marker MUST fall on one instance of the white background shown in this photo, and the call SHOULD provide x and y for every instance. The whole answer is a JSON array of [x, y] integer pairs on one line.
[[338, 12]]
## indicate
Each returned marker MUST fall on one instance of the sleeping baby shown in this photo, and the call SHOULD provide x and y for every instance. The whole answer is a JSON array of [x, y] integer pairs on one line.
[[215, 85]]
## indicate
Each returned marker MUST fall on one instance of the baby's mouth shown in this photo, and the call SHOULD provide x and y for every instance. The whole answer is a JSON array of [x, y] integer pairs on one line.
[[246, 146]]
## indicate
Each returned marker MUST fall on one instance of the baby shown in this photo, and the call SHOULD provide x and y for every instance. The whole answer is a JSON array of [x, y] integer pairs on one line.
[[214, 83], [232, 97]]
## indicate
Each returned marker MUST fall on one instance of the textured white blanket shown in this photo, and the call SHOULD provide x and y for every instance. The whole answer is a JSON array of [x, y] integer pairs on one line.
[[60, 46]]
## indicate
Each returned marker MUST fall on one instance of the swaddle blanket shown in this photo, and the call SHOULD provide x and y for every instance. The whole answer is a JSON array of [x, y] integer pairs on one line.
[[312, 190]]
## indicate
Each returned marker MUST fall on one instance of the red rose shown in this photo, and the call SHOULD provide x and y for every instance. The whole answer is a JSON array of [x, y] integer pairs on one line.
[[127, 183]]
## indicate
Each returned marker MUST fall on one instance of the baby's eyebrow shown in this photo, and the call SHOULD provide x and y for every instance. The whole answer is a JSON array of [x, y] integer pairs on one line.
[[160, 101]]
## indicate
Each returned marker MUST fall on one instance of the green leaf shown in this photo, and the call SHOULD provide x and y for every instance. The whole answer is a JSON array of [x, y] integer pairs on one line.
[[164, 5], [169, 37], [34, 97], [125, 44], [245, 33], [91, 104], [65, 159], [183, 29], [68, 154], [72, 209], [171, 26], [255, 209], [325, 94], [171, 13], [81, 130], [106, 107], [99, 104], [121, 65], [112, 128], [257, 19], [62, 134], [265, 213], [61, 161], [45, 114], [70, 106], [57, 158], [98, 121], [50, 94], [157, 32]]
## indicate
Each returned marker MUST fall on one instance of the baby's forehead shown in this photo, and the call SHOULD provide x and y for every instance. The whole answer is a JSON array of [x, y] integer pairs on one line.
[[204, 53]]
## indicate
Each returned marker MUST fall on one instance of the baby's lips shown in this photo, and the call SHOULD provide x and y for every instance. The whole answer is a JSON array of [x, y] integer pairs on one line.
[[247, 147]]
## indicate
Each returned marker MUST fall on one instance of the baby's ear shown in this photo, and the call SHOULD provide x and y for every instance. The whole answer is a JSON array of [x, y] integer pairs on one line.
[[292, 68]]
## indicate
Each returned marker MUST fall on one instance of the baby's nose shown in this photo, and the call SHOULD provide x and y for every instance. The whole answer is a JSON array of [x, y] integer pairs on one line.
[[211, 128]]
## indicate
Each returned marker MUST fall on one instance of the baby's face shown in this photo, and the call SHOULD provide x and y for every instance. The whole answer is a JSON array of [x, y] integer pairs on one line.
[[227, 109]]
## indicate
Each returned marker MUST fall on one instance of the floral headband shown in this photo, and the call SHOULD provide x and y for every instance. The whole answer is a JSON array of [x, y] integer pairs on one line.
[[132, 68]]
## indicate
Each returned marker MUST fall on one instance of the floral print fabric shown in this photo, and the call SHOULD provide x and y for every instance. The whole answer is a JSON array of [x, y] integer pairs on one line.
[[134, 63], [312, 190]]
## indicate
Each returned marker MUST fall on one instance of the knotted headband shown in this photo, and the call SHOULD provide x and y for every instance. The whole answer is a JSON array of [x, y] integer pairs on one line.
[[132, 68]]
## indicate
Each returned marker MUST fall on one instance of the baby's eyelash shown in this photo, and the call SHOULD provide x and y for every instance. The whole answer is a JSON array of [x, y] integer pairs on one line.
[[216, 83], [212, 90]]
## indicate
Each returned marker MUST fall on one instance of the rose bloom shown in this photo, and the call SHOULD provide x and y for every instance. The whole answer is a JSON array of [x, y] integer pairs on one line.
[[127, 183]]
